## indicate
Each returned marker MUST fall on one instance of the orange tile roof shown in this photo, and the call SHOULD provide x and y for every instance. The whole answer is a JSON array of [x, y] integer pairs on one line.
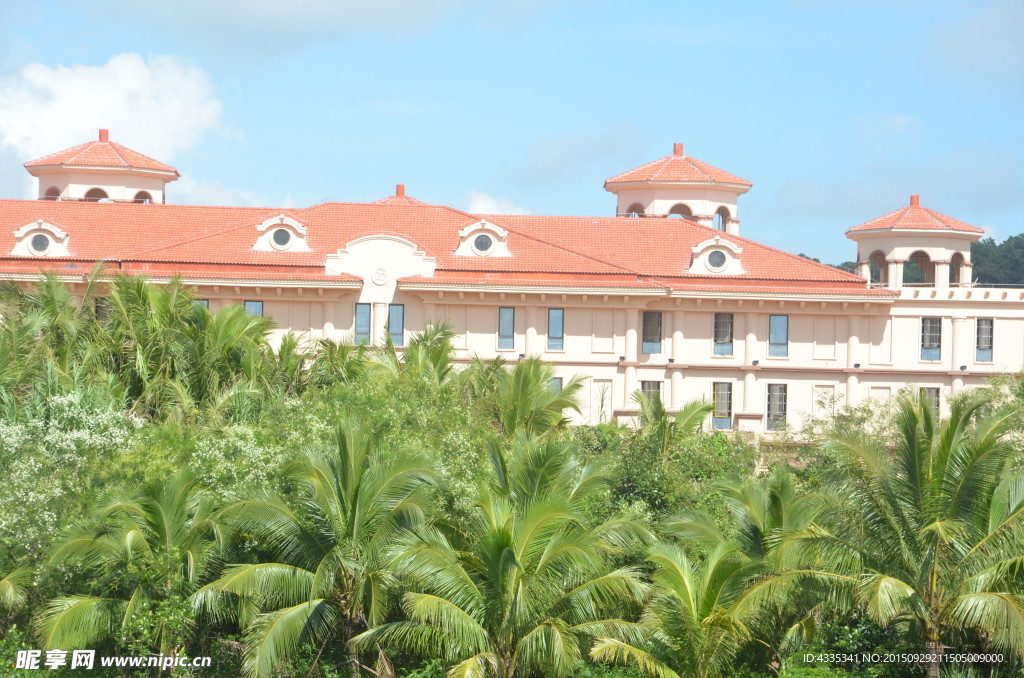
[[104, 154], [915, 217], [677, 169], [577, 252]]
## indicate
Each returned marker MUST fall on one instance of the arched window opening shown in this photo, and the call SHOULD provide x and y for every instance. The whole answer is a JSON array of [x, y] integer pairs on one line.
[[52, 193], [635, 210], [878, 270], [721, 218], [681, 211], [956, 267], [143, 197], [919, 270], [96, 194]]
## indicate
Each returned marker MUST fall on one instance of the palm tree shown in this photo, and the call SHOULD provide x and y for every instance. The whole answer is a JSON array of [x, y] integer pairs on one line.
[[331, 578], [765, 513], [525, 586], [665, 429], [13, 585], [932, 532], [142, 546], [527, 402], [692, 623]]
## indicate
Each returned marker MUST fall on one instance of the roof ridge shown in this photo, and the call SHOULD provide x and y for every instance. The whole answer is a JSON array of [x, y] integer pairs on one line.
[[192, 236]]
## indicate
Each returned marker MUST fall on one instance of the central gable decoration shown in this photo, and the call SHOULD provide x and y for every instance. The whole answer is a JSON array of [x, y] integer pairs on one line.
[[380, 260], [716, 256], [40, 239]]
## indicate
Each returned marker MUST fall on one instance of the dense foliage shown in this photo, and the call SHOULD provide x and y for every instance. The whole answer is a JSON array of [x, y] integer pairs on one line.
[[175, 486]]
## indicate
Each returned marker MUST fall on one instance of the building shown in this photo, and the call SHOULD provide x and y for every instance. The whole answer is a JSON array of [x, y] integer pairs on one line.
[[672, 300]]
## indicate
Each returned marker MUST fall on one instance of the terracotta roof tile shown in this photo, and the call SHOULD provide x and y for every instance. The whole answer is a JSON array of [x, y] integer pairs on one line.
[[915, 217], [103, 154], [678, 169]]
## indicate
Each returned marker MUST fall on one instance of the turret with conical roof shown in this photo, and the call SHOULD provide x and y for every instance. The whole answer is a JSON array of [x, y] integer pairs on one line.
[[101, 170], [680, 185], [934, 247]]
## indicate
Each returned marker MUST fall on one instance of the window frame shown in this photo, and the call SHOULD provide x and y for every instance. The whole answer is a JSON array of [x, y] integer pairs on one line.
[[722, 325], [397, 336], [651, 324], [556, 340], [360, 336], [248, 310], [507, 342], [646, 390], [778, 349], [934, 396], [931, 341], [721, 418], [556, 384], [984, 341], [202, 303], [777, 407]]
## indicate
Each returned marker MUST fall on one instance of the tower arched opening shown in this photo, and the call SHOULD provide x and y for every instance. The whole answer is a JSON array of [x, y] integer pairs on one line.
[[681, 211], [95, 195]]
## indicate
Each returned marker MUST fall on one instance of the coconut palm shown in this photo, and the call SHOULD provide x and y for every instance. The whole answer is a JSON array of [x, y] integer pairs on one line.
[[527, 402], [666, 429], [141, 546], [13, 588], [525, 586], [692, 624], [932, 532], [330, 579]]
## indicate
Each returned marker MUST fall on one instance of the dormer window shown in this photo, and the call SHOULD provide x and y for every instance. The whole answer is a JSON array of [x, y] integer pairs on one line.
[[281, 234], [483, 239], [40, 239], [716, 256]]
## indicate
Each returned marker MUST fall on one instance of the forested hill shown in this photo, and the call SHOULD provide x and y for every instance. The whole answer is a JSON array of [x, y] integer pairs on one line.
[[999, 264]]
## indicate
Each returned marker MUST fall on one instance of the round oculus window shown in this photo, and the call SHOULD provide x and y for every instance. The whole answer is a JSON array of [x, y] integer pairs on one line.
[[39, 243], [281, 237], [716, 259], [483, 243]]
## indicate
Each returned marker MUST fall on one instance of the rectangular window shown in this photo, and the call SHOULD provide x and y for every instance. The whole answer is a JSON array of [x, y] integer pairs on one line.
[[721, 418], [362, 334], [931, 338], [254, 308], [778, 336], [776, 406], [649, 388], [983, 345], [506, 327], [396, 323], [723, 334], [556, 329], [205, 303], [651, 342], [931, 398], [555, 384]]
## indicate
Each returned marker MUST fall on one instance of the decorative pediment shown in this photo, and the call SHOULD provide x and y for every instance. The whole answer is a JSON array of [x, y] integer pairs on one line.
[[281, 234], [40, 239], [380, 260], [716, 256], [483, 239]]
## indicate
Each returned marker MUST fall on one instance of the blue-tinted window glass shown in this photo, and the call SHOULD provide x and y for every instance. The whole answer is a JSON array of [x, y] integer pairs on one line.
[[254, 308], [506, 327], [556, 332], [396, 323], [651, 340], [205, 303], [362, 333], [778, 336], [721, 417], [931, 338], [723, 334], [985, 331]]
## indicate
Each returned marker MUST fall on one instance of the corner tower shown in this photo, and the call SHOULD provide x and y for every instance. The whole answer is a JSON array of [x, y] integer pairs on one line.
[[915, 246], [101, 170], [680, 185]]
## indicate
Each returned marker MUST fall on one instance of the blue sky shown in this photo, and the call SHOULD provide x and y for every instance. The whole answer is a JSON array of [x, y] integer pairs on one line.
[[836, 110]]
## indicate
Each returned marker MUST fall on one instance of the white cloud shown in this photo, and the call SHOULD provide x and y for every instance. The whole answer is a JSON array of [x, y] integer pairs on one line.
[[158, 106], [188, 191], [481, 203]]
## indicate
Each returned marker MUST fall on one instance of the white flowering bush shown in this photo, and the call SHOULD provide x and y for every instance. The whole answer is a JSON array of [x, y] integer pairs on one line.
[[230, 462], [42, 461]]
